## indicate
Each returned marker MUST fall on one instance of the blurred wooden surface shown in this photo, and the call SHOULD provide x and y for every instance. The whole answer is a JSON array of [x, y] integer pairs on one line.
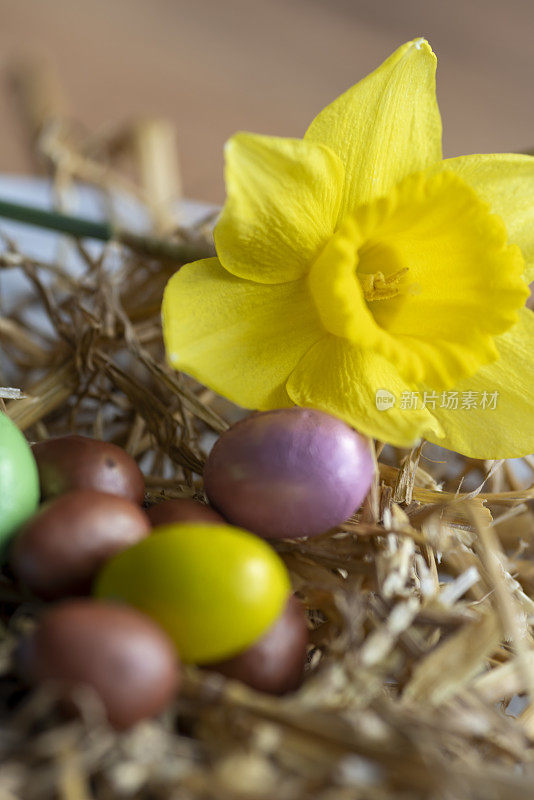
[[217, 66]]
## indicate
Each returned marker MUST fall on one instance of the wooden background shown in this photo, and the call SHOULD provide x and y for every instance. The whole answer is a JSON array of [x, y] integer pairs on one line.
[[216, 66]]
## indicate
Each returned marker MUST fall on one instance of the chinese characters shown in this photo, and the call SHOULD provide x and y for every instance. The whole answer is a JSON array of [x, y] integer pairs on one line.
[[452, 400]]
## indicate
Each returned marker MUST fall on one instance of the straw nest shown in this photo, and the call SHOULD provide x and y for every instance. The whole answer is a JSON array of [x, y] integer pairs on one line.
[[420, 675]]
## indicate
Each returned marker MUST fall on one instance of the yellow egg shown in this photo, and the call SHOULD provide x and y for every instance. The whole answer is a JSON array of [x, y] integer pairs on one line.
[[215, 589]]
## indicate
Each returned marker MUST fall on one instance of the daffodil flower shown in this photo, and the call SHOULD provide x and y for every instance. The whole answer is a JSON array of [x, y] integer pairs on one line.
[[356, 260]]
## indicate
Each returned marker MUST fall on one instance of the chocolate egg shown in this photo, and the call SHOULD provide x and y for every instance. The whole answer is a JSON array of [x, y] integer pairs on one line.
[[19, 481], [289, 473], [59, 551], [78, 462], [182, 510], [275, 663], [215, 589], [120, 653]]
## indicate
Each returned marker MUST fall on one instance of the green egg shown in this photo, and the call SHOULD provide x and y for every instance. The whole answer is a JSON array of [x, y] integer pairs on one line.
[[215, 589], [19, 480]]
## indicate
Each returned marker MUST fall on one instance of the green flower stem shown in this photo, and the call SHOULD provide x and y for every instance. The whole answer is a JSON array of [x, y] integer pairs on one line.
[[82, 228]]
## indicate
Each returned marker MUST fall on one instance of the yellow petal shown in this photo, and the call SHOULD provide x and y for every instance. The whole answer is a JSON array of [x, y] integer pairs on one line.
[[423, 276], [506, 431], [385, 127], [283, 199], [240, 338], [506, 182], [341, 379]]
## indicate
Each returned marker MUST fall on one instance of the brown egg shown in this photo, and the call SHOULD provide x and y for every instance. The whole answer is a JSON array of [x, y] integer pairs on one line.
[[275, 664], [182, 510], [59, 551], [77, 462], [116, 650]]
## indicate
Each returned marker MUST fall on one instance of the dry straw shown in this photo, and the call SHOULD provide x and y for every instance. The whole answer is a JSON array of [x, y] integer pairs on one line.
[[420, 608]]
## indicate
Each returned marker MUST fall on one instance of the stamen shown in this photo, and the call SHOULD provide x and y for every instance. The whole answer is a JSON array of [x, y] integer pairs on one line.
[[377, 287]]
